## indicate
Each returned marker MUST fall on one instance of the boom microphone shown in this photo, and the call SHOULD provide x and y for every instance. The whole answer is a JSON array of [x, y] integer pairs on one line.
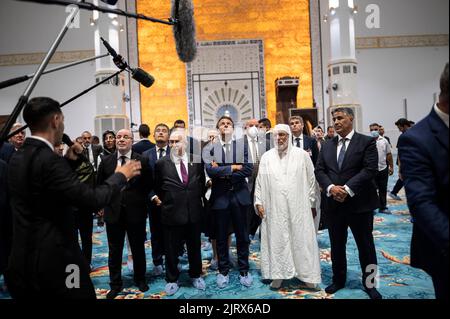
[[184, 29], [142, 77], [118, 60]]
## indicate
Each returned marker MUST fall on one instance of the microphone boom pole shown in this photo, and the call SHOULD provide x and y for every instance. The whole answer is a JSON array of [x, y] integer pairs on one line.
[[24, 78], [91, 7], [24, 98]]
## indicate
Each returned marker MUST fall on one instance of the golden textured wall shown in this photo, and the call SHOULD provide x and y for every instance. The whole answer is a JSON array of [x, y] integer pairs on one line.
[[282, 24]]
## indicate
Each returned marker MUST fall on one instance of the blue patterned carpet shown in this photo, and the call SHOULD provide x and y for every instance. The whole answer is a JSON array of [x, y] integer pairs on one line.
[[392, 240]]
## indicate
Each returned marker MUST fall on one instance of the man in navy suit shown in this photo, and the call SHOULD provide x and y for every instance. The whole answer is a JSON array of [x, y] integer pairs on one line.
[[423, 152], [346, 170], [228, 166], [301, 140], [161, 150], [144, 144]]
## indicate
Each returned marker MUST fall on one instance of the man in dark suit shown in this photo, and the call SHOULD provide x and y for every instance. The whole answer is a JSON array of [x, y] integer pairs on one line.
[[127, 214], [144, 144], [256, 148], [424, 167], [228, 166], [6, 151], [91, 151], [301, 140], [180, 185], [46, 261], [5, 218], [266, 125], [161, 150], [345, 171]]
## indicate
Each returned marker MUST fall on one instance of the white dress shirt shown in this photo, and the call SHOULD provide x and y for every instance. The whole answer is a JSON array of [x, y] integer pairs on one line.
[[340, 144], [157, 151], [442, 115], [294, 141], [185, 160], [384, 149], [250, 143], [127, 159]]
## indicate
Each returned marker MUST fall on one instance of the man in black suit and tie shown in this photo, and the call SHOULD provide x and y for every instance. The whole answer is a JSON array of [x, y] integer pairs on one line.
[[228, 166], [127, 214], [43, 189], [423, 152], [345, 171], [144, 144], [266, 125], [91, 151], [301, 140], [161, 150], [180, 185]]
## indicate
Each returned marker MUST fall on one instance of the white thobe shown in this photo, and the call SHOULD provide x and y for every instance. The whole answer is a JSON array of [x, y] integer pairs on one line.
[[287, 190]]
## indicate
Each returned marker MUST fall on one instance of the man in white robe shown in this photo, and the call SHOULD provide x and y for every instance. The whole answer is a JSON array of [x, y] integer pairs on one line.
[[286, 195]]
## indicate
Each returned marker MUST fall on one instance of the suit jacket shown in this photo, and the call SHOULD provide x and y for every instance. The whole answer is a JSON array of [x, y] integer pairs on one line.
[[96, 152], [224, 181], [180, 204], [310, 145], [423, 152], [357, 172], [6, 151], [43, 190], [5, 218], [142, 146], [131, 202], [151, 158]]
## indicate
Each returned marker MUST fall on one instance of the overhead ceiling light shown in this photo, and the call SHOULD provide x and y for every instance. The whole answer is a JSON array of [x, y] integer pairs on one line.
[[91, 21], [121, 28], [115, 22], [325, 18]]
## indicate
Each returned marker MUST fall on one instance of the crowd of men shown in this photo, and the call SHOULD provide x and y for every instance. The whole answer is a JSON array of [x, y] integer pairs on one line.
[[281, 180]]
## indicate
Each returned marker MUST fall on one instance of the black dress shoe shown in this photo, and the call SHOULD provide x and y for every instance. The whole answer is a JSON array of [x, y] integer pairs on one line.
[[142, 286], [113, 293], [373, 293], [331, 289]]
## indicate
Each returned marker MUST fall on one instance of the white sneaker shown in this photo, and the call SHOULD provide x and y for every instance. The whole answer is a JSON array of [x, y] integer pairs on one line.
[[171, 288], [158, 270], [214, 264], [199, 283], [276, 283], [247, 280], [130, 264], [222, 281]]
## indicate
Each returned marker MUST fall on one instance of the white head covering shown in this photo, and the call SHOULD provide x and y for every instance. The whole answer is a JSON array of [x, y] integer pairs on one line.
[[282, 128]]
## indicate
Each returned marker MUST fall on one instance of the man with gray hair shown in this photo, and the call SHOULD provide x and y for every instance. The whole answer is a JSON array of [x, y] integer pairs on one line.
[[18, 139], [180, 184], [345, 171]]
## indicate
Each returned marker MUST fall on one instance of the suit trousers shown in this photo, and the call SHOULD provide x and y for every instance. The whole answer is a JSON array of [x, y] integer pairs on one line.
[[116, 238], [440, 279], [174, 238], [398, 186], [157, 235], [381, 181], [361, 225], [237, 214], [85, 222]]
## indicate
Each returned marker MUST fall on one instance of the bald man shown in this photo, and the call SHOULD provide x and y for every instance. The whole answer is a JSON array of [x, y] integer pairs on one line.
[[127, 214]]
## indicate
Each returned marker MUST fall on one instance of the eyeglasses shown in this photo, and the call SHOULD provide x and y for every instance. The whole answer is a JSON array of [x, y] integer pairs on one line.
[[125, 137], [173, 141]]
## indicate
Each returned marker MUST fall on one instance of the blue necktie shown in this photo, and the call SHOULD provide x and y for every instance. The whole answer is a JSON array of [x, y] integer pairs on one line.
[[342, 153]]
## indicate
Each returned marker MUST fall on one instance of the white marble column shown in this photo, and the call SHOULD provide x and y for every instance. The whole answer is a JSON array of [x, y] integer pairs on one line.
[[343, 66], [111, 112]]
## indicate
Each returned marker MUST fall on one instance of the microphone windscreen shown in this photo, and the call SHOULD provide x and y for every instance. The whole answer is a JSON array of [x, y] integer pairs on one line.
[[184, 29], [142, 77]]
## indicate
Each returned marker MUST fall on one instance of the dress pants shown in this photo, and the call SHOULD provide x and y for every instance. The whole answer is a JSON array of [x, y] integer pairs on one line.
[[174, 238], [157, 235], [116, 239], [237, 214], [361, 225], [84, 223], [398, 186], [381, 181], [440, 279]]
